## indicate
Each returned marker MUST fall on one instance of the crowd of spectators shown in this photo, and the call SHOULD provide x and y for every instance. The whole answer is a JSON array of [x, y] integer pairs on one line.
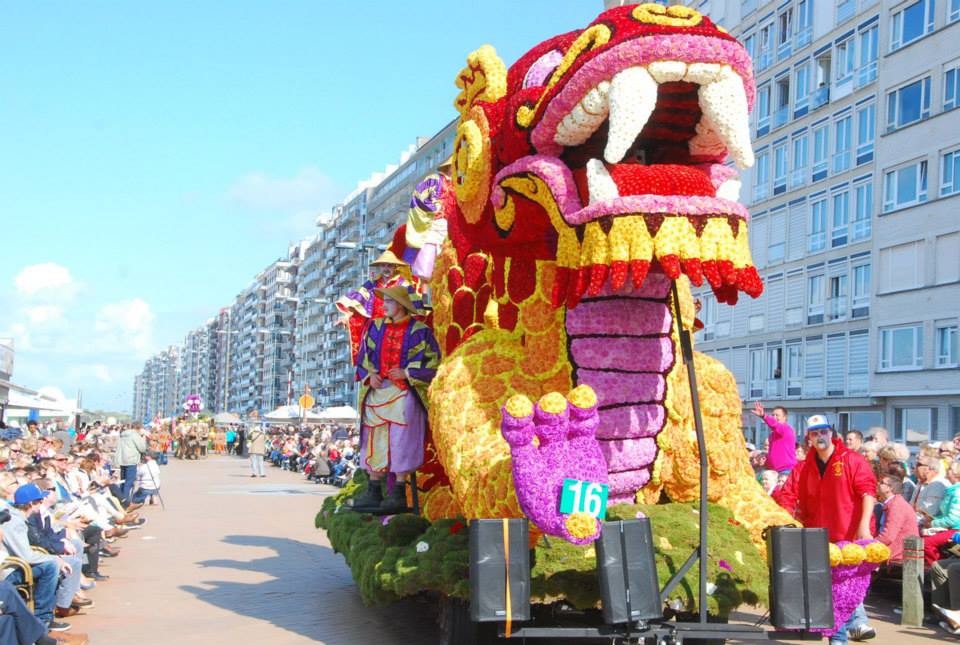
[[68, 495], [917, 494]]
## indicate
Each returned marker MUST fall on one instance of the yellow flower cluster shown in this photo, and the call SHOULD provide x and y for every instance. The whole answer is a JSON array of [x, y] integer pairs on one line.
[[582, 397], [554, 403], [472, 164], [673, 16], [877, 552], [581, 525], [483, 79], [852, 554], [836, 557], [519, 406]]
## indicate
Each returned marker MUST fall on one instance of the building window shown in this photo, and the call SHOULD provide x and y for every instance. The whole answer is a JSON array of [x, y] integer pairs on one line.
[[911, 23], [951, 87], [801, 82], [821, 95], [843, 135], [794, 370], [950, 173], [905, 186], [761, 186], [908, 104], [946, 256], [763, 110], [866, 132], [750, 44], [954, 11], [784, 33], [805, 22], [813, 367], [868, 57], [837, 309], [863, 211], [901, 348], [756, 373], [846, 60], [765, 55], [845, 10], [774, 373], [821, 152], [818, 226], [841, 218], [861, 291], [780, 169], [901, 267], [815, 299], [781, 112], [798, 175], [914, 425], [947, 345]]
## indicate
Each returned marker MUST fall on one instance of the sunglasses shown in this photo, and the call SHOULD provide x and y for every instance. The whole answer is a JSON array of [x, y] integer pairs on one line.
[[821, 431]]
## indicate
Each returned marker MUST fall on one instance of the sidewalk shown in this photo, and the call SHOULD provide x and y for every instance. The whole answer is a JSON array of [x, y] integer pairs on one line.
[[237, 560]]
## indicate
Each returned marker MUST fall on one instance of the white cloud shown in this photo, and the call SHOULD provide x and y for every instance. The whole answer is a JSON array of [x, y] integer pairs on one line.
[[85, 373], [38, 278], [127, 324], [309, 190], [43, 314]]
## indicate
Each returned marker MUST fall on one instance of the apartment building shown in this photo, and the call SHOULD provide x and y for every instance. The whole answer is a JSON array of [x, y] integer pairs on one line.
[[853, 202]]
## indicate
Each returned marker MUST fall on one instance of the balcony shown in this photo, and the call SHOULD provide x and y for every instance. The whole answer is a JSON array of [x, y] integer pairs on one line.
[[821, 96], [781, 116]]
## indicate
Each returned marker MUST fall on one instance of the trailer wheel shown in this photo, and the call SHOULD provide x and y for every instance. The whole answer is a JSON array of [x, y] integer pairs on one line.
[[456, 627]]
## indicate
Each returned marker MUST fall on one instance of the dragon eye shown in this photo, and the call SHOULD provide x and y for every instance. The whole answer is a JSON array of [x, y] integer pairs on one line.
[[540, 71]]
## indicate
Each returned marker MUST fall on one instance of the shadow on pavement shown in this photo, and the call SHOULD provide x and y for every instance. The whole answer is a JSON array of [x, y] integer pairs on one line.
[[311, 594]]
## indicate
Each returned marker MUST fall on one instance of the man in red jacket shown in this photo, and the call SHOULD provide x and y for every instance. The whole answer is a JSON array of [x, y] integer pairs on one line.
[[833, 488]]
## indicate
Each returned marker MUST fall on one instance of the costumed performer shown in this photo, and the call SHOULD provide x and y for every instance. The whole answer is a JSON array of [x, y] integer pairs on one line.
[[397, 362]]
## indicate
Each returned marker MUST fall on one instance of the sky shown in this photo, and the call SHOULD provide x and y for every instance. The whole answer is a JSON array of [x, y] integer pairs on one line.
[[155, 156]]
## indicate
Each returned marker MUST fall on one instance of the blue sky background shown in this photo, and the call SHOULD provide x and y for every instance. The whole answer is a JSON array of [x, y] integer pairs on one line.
[[154, 157]]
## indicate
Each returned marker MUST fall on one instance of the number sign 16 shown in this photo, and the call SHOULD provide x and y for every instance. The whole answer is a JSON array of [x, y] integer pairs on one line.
[[584, 497]]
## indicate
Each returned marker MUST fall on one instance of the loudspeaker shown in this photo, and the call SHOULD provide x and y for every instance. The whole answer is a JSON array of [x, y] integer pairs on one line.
[[628, 572], [499, 561], [801, 586]]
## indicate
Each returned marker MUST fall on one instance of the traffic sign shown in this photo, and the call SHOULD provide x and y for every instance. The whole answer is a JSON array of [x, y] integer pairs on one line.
[[306, 402]]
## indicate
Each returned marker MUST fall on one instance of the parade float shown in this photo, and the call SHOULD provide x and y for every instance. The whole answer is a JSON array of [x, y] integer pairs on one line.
[[590, 188]]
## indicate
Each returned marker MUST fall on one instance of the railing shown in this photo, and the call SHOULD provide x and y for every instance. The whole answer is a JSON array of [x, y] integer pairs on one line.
[[866, 74], [821, 96], [846, 10], [781, 116]]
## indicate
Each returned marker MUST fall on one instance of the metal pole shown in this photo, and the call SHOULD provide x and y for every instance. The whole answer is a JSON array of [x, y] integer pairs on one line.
[[226, 380], [686, 347]]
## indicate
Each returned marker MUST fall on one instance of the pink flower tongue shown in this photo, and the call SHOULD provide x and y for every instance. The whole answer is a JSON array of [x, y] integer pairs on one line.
[[660, 179]]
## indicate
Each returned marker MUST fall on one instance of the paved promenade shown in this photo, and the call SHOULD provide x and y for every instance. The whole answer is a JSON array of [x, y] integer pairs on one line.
[[235, 560]]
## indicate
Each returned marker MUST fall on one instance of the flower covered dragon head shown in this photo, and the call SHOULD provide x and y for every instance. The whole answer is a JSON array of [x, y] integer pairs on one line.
[[604, 150]]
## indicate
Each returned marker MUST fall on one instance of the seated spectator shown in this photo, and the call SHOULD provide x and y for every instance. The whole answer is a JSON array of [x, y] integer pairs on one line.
[[941, 527], [897, 519], [148, 480], [899, 470], [869, 450], [770, 480], [854, 440], [932, 485]]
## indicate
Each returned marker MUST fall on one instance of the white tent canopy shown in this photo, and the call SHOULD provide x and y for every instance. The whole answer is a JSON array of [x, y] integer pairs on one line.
[[225, 418], [48, 404], [338, 413], [290, 414]]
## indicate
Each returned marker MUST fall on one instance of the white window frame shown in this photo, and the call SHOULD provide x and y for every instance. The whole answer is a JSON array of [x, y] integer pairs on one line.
[[845, 60], [765, 49], [839, 297], [816, 288], [804, 22], [950, 172], [755, 373], [800, 150], [946, 332], [897, 24], [953, 11], [866, 132], [793, 370], [821, 148], [764, 106], [893, 101], [842, 143], [801, 86], [840, 218], [781, 153], [817, 237], [862, 211], [868, 44], [951, 85], [862, 278], [761, 175], [886, 348], [891, 183]]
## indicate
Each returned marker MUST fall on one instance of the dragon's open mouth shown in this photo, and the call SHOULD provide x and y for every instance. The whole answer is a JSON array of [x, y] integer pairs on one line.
[[634, 149]]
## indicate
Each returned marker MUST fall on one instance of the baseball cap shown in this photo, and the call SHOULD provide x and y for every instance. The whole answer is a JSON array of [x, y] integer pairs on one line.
[[817, 422], [28, 493]]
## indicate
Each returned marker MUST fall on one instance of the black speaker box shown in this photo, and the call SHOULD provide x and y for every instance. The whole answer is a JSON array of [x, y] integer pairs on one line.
[[492, 573], [801, 588], [628, 572]]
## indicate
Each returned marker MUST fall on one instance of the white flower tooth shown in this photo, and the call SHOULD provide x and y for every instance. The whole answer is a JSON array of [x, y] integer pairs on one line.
[[633, 95], [595, 102], [702, 73], [730, 189], [599, 182], [665, 71], [576, 128], [724, 102], [705, 141], [581, 117]]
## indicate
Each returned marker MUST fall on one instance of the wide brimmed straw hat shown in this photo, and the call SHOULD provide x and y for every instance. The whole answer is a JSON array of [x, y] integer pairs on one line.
[[400, 295], [388, 257]]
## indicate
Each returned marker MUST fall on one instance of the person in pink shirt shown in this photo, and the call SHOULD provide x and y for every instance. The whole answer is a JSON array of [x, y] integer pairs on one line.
[[897, 520], [782, 455]]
